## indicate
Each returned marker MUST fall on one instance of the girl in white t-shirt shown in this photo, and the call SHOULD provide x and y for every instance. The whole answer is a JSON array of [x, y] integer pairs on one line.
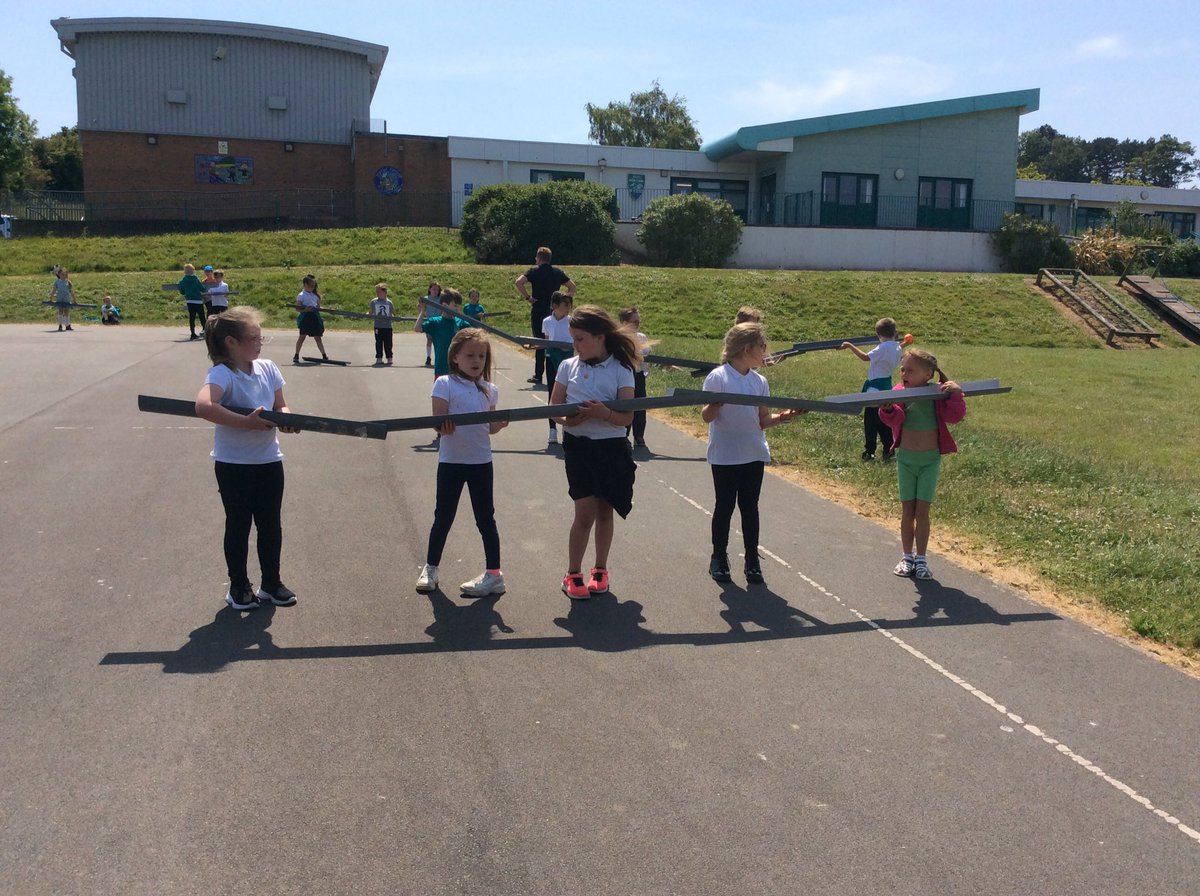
[[309, 321], [737, 446], [249, 464], [556, 327], [599, 461], [631, 321], [465, 458]]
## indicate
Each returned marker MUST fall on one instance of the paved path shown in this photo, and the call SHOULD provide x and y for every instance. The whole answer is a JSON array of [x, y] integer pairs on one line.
[[837, 731]]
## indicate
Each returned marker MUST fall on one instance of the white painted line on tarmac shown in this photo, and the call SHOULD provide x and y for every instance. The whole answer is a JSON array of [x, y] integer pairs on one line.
[[158, 428], [1187, 830]]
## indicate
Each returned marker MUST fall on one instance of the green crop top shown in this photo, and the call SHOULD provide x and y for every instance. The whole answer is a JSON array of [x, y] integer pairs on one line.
[[920, 416]]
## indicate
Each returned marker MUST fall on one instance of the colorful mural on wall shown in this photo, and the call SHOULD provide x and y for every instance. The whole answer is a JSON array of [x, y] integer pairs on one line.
[[389, 181], [224, 169]]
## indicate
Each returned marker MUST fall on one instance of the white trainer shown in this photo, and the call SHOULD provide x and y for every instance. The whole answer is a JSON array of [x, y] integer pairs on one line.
[[428, 579], [553, 438], [483, 585]]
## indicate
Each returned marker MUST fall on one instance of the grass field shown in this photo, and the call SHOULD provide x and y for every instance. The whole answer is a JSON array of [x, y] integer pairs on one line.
[[1086, 473]]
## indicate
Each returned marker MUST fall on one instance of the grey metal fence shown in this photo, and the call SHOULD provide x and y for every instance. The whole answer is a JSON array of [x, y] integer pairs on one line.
[[344, 208]]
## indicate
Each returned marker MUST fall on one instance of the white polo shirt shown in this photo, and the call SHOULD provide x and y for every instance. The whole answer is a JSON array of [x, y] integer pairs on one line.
[[599, 382], [471, 444], [735, 436]]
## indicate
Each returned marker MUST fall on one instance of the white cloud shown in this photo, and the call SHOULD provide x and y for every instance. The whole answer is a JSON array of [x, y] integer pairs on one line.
[[1110, 46], [886, 81]]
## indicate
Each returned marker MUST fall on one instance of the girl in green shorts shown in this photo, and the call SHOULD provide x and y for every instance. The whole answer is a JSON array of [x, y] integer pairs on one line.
[[921, 433]]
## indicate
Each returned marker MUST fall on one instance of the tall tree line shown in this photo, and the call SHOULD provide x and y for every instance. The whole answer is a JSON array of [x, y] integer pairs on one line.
[[30, 162], [1046, 154]]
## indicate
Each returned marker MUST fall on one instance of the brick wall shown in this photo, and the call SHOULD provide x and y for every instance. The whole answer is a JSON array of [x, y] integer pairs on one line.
[[115, 162], [423, 162], [128, 179]]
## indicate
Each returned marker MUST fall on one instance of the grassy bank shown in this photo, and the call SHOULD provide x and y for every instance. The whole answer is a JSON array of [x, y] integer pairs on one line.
[[1085, 473]]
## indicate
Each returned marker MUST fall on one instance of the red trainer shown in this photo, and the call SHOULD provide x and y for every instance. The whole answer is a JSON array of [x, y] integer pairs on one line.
[[574, 588], [598, 581]]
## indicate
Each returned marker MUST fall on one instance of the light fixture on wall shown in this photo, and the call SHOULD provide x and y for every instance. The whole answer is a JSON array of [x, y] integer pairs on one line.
[[898, 174], [152, 139], [663, 173], [288, 147], [219, 54], [602, 163]]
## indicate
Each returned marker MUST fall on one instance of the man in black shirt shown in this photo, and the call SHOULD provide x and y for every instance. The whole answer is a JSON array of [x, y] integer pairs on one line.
[[544, 279]]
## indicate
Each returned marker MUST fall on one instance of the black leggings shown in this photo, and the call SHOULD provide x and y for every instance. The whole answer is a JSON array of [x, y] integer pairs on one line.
[[252, 493], [195, 311], [553, 359], [538, 312], [450, 481], [638, 426], [738, 484]]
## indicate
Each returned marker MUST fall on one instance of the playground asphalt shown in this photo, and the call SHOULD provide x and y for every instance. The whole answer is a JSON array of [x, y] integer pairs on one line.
[[837, 730]]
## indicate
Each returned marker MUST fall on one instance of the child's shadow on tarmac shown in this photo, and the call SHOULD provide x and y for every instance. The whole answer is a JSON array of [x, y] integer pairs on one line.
[[606, 624], [464, 626], [228, 638], [759, 606], [957, 605]]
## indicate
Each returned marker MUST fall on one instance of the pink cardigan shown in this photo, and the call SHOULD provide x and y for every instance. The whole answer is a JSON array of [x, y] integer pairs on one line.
[[947, 410]]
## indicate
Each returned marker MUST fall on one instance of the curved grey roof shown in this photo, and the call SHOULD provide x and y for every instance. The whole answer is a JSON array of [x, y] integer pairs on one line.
[[69, 29]]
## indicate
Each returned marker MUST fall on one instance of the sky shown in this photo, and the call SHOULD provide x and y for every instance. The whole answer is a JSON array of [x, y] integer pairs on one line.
[[526, 70]]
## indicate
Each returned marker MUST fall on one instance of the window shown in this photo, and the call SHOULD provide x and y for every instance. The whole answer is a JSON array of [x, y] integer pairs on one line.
[[944, 203], [537, 176], [1182, 224], [1090, 219], [735, 192], [1035, 210], [848, 200]]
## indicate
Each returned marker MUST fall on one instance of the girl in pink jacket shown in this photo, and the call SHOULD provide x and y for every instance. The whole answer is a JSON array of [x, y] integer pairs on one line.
[[921, 433]]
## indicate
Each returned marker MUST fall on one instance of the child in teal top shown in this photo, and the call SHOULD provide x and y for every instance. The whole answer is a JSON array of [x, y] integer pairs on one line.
[[441, 329], [473, 308]]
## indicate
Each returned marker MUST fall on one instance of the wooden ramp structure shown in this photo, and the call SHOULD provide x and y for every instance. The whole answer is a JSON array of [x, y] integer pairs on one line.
[[1103, 311], [1169, 306]]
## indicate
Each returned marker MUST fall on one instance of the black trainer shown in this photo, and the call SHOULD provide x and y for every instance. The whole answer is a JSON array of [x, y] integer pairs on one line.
[[754, 573], [718, 568], [241, 597], [281, 595]]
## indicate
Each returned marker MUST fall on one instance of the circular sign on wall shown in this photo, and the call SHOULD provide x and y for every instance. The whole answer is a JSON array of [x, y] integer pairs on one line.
[[389, 181]]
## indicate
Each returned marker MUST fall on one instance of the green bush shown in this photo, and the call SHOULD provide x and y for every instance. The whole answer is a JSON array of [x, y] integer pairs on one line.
[[506, 223], [1025, 245], [690, 231], [1183, 260]]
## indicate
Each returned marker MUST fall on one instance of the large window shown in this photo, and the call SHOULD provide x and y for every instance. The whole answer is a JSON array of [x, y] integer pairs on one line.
[[944, 203], [1035, 210], [1182, 224], [544, 177], [735, 192], [849, 200], [1090, 219]]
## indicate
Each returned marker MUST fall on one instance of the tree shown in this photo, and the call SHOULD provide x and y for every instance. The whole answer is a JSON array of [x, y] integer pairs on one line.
[[689, 231], [650, 118], [17, 133], [1033, 146], [1105, 162], [505, 223], [1025, 245], [60, 158], [1165, 162]]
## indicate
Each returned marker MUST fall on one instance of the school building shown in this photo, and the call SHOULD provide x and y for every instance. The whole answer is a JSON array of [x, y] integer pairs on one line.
[[215, 123]]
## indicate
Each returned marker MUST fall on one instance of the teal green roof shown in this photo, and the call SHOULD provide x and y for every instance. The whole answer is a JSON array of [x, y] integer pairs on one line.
[[748, 138]]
